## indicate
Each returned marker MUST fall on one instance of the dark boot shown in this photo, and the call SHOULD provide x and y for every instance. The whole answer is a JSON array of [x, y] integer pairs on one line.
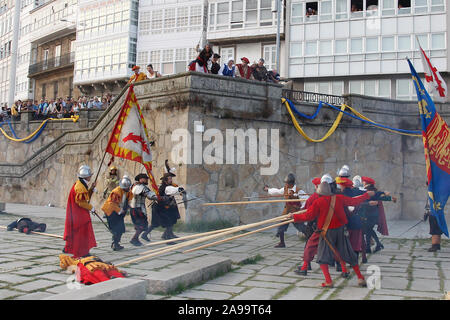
[[281, 244], [301, 272], [309, 266], [171, 234], [145, 234], [165, 236], [434, 248], [378, 248], [135, 240], [338, 267]]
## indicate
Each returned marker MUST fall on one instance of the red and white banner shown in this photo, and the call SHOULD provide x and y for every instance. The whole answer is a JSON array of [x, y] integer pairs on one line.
[[434, 81]]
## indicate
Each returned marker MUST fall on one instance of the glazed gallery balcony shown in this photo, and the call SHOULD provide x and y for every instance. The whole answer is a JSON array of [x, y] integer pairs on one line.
[[51, 64]]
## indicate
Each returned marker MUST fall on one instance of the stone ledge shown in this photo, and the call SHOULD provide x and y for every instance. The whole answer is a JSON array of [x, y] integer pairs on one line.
[[195, 271], [116, 289]]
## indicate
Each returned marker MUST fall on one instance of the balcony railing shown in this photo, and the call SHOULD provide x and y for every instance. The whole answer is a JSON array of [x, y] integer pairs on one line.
[[51, 64], [304, 96]]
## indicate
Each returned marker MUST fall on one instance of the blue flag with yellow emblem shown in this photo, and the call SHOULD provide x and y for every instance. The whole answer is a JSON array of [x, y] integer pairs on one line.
[[436, 141]]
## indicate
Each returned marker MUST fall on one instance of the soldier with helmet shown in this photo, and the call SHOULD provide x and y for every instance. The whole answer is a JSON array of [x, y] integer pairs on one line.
[[138, 211], [289, 191], [115, 209], [111, 181], [78, 232]]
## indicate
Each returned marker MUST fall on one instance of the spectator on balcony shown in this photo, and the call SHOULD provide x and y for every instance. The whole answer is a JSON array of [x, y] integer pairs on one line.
[[311, 12], [90, 103], [273, 76], [15, 111], [228, 69], [97, 104], [244, 70], [83, 103], [201, 63], [109, 98], [260, 71], [137, 76], [41, 108], [33, 107], [105, 103], [52, 109], [152, 73], [67, 107], [75, 108], [4, 113], [215, 66], [59, 109]]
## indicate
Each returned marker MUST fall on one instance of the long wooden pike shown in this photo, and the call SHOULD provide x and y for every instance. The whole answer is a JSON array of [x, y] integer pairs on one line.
[[238, 236], [40, 233], [251, 202], [197, 235], [195, 241]]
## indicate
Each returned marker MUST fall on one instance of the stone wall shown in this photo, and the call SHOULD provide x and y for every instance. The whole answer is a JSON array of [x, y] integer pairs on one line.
[[44, 173]]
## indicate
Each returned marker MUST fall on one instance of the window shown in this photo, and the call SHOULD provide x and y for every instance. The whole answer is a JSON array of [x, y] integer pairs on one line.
[[265, 13], [270, 56], [355, 86], [167, 59], [325, 47], [55, 89], [337, 88], [341, 9], [155, 59], [311, 48], [371, 44], [251, 12], [340, 46], [324, 88], [404, 43], [296, 50], [180, 60], [169, 20], [237, 14], [226, 54], [421, 40], [420, 6], [310, 87], [44, 93], [437, 5], [388, 7], [182, 19], [369, 88], [387, 44], [157, 21], [438, 41], [404, 6], [57, 55], [196, 18], [404, 91], [45, 59], [297, 13], [311, 11], [356, 8], [384, 88], [142, 58], [356, 45], [325, 10], [222, 14]]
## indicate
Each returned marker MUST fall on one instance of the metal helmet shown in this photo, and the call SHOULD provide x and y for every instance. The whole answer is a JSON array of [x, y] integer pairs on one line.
[[125, 183], [357, 183], [112, 168], [84, 172], [290, 178], [326, 178], [344, 171]]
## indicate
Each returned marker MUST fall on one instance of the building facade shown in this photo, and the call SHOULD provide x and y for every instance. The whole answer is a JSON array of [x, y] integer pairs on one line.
[[52, 38], [246, 28], [105, 45], [360, 46], [169, 32]]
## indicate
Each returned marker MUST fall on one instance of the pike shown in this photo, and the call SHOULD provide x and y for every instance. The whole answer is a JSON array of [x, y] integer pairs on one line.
[[275, 196], [40, 233], [250, 202]]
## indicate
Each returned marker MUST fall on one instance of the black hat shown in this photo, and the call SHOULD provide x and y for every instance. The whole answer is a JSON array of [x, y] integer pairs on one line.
[[141, 176], [290, 179], [216, 56], [166, 175]]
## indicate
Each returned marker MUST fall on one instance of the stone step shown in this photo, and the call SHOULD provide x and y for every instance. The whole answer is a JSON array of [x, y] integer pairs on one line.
[[115, 289], [183, 275]]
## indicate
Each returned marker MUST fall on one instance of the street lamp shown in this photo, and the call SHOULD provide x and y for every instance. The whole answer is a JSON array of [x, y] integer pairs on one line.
[[277, 8]]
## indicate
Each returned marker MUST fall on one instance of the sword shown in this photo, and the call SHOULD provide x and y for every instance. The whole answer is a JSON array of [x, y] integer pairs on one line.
[[103, 222], [189, 200], [411, 228]]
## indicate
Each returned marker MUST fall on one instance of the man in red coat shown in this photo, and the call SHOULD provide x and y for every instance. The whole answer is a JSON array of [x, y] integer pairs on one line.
[[78, 232], [333, 242]]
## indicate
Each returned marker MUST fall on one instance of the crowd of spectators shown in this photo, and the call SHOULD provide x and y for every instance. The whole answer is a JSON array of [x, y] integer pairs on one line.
[[209, 62], [54, 108]]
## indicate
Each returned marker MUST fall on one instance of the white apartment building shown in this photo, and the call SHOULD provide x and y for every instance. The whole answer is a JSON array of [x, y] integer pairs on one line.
[[168, 33], [105, 45], [359, 46], [246, 28]]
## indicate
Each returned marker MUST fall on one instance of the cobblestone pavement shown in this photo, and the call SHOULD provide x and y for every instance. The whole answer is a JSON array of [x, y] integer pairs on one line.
[[29, 265]]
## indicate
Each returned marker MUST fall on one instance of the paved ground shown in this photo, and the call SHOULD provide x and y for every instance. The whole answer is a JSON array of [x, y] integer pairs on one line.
[[29, 265]]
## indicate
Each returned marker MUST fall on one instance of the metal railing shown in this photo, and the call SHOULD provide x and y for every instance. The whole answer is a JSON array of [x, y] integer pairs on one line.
[[51, 64], [304, 96]]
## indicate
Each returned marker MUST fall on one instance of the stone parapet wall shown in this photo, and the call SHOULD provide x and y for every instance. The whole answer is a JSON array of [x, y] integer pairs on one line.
[[44, 173]]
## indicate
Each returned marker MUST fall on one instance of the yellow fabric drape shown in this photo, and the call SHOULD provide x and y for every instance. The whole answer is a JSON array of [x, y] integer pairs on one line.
[[72, 118], [335, 123]]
